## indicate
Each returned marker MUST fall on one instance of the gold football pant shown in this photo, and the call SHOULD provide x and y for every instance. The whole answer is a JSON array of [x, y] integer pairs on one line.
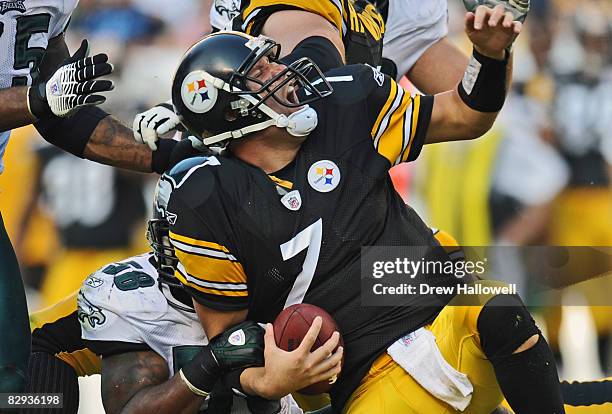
[[388, 389]]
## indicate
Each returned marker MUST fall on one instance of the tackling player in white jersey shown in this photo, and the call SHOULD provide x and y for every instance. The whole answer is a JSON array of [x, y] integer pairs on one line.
[[41, 83], [32, 48], [146, 331]]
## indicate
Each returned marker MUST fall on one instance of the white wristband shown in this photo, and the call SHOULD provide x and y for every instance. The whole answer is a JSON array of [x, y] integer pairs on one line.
[[191, 387]]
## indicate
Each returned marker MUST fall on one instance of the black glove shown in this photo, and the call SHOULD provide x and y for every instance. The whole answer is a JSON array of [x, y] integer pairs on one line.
[[518, 8], [72, 85], [239, 347]]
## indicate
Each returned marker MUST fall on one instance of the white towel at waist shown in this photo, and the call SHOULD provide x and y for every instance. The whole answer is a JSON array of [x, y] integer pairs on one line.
[[420, 357]]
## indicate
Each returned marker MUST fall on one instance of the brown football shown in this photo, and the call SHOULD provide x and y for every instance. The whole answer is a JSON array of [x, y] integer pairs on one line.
[[291, 326]]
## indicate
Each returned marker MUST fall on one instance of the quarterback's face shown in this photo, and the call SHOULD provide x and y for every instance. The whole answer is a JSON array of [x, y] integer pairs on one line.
[[263, 71]]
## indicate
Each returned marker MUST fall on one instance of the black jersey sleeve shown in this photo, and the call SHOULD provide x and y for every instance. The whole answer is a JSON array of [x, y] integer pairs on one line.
[[398, 120], [200, 232]]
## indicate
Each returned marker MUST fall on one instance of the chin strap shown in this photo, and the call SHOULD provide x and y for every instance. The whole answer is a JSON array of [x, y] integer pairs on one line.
[[298, 124]]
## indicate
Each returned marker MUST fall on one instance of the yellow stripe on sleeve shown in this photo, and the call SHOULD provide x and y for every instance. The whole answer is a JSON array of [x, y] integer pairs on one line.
[[393, 140], [196, 242], [385, 109], [211, 269], [210, 291]]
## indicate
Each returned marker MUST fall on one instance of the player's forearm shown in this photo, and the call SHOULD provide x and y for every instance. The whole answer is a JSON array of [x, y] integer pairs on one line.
[[171, 397], [475, 122], [430, 77], [470, 110], [113, 143], [252, 383], [14, 111]]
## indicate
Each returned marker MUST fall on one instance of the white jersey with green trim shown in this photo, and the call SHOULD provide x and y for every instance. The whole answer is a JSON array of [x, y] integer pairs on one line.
[[122, 305], [25, 29]]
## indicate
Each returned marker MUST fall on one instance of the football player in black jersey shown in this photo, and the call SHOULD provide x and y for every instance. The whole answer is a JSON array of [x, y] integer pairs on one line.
[[305, 186]]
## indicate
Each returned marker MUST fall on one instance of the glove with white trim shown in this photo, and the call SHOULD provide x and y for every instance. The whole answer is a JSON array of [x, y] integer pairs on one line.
[[239, 347], [73, 85], [148, 126]]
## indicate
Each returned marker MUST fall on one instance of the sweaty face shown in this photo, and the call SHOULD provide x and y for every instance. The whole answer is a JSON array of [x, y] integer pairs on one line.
[[263, 71]]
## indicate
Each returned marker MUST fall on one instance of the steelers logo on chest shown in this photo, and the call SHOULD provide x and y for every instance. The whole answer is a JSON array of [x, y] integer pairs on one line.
[[324, 176], [198, 95]]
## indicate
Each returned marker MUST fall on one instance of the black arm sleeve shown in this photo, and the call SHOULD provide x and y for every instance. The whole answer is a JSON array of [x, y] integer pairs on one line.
[[71, 134]]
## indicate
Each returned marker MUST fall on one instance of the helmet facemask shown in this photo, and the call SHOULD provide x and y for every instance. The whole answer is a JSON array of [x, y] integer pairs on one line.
[[301, 74], [232, 103], [158, 230]]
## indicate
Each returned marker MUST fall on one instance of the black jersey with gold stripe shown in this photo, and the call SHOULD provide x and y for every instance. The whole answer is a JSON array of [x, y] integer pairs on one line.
[[360, 24], [248, 240]]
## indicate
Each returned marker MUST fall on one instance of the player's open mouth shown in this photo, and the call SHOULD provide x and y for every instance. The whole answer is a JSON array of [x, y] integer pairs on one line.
[[292, 94]]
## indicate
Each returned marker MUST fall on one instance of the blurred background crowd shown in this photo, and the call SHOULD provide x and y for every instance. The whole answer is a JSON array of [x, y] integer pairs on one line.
[[541, 176]]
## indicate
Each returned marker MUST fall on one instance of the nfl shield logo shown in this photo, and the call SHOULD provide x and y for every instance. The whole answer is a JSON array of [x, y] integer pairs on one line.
[[292, 200], [237, 338]]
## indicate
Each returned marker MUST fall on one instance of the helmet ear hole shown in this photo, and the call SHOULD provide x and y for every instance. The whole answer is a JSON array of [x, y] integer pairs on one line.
[[230, 115]]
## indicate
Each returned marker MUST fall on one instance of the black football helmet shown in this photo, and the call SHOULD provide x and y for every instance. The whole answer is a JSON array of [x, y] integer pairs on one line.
[[210, 92], [158, 235]]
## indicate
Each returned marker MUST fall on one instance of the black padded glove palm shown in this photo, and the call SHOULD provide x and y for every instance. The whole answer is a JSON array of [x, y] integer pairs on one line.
[[239, 347]]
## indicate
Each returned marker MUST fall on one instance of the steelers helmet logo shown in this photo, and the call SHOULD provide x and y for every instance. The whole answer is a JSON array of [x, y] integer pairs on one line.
[[198, 95], [324, 176]]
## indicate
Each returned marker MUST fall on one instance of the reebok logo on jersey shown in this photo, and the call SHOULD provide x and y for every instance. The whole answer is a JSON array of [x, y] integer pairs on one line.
[[94, 282], [324, 176], [237, 338], [379, 78], [17, 5], [171, 217]]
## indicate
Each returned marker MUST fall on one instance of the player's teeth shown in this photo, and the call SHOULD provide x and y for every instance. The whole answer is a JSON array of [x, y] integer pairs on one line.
[[290, 89]]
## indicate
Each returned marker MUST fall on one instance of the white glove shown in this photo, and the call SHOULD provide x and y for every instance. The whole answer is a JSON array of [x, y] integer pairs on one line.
[[73, 85], [148, 126]]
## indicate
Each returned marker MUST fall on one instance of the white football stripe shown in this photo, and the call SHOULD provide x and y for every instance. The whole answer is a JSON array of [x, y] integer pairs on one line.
[[202, 250], [210, 285], [385, 122]]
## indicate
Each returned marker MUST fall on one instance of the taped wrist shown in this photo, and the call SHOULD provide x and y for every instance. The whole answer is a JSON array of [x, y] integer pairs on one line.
[[160, 159], [201, 374], [71, 134], [37, 101], [483, 87]]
